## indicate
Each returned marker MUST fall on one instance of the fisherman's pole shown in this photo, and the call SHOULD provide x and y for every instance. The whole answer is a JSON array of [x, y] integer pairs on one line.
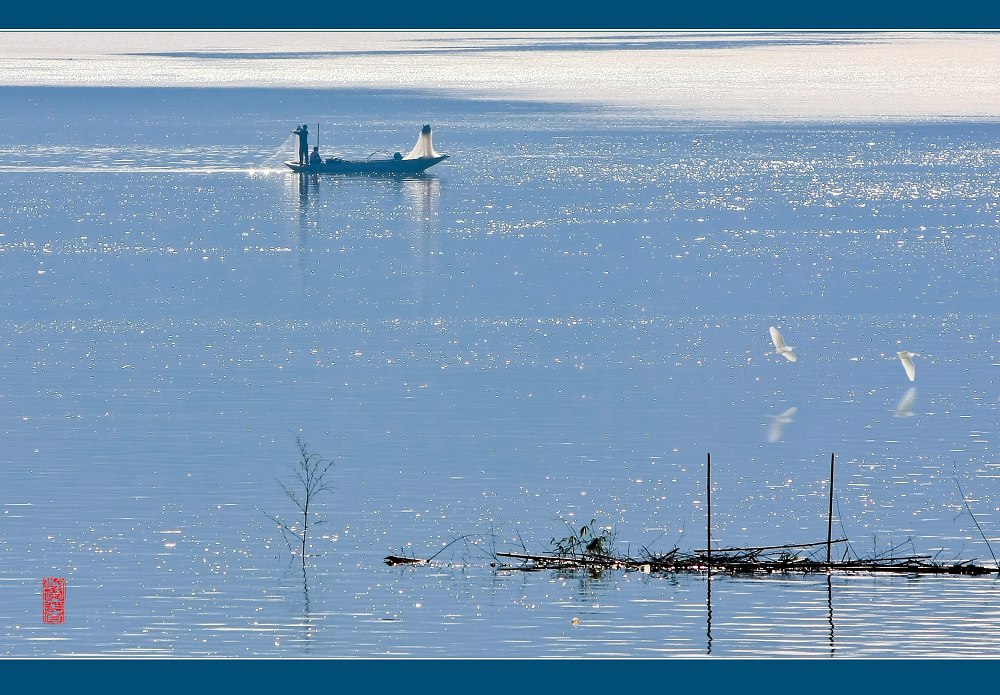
[[829, 518], [317, 136], [708, 496]]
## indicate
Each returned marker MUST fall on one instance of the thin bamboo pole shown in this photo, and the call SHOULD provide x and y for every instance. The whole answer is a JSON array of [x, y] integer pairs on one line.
[[829, 517], [708, 497]]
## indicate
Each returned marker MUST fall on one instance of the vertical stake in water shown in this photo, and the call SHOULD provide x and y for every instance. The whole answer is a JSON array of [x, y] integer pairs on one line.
[[708, 496], [829, 517]]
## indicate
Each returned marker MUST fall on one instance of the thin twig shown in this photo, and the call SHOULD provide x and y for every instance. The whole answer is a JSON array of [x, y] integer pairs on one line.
[[460, 538], [771, 547], [974, 520]]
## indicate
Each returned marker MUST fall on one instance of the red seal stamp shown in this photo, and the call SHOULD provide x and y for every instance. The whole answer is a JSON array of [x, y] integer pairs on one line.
[[53, 600]]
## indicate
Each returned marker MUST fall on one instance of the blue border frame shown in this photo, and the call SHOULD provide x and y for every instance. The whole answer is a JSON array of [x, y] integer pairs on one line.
[[509, 14], [818, 676], [491, 675]]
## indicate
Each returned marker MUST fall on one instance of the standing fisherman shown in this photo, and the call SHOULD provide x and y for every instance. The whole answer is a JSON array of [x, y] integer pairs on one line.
[[303, 132]]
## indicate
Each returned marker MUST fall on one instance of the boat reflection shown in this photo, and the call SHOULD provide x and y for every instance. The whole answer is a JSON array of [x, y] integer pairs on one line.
[[346, 213]]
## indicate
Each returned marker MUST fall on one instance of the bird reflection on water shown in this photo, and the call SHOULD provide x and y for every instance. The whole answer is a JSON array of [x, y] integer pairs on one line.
[[778, 423], [903, 408]]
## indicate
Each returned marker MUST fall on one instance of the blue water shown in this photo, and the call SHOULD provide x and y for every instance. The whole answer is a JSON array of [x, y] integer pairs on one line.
[[555, 325]]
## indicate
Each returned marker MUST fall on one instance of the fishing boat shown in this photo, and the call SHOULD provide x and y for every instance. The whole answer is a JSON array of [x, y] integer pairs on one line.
[[420, 158]]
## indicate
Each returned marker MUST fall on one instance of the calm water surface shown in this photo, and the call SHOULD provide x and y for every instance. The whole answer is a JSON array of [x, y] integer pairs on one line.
[[555, 325]]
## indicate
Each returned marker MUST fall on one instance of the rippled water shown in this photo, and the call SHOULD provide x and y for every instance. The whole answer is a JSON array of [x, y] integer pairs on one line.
[[556, 324]]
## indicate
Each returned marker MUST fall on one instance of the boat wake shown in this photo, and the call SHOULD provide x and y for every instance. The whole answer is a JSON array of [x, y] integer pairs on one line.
[[27, 169], [149, 160]]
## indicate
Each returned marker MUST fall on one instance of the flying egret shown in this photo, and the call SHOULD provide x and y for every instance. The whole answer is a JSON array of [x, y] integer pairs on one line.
[[778, 423], [779, 345], [906, 402], [905, 356]]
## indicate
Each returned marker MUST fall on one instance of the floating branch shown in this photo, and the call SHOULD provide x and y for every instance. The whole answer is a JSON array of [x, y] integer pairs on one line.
[[742, 561], [403, 560], [400, 560], [760, 548]]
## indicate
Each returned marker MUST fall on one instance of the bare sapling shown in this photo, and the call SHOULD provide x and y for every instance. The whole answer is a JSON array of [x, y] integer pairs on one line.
[[310, 473]]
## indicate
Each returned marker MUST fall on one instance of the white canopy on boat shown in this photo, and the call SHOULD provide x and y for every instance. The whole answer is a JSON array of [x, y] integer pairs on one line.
[[424, 149]]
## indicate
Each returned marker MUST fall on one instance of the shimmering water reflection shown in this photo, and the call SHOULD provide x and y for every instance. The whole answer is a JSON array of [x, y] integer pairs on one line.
[[546, 615]]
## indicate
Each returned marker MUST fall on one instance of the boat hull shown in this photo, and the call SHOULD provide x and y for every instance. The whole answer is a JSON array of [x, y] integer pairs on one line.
[[382, 167]]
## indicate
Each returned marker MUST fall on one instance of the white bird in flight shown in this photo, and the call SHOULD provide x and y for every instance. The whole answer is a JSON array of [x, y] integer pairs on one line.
[[905, 356], [779, 345]]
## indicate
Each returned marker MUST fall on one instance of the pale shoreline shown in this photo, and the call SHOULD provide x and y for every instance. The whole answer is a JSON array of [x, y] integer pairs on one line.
[[737, 76]]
